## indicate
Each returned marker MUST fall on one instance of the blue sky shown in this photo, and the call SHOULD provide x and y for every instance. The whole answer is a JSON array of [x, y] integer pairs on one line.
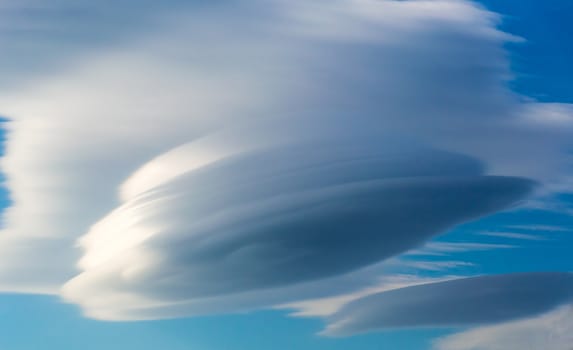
[[541, 64], [521, 229]]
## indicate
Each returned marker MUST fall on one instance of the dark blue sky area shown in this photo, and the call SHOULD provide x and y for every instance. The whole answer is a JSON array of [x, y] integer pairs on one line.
[[542, 63]]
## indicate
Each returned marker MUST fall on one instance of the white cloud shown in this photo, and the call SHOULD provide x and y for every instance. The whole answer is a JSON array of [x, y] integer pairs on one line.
[[551, 331]]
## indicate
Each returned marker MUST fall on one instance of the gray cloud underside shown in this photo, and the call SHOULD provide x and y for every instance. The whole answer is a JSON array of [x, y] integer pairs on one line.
[[461, 302]]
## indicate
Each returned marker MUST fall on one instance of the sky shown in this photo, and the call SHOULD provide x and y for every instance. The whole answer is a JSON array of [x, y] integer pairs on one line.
[[247, 174]]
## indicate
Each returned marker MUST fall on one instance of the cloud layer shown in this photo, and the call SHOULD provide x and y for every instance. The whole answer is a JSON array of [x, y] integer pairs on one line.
[[236, 154]]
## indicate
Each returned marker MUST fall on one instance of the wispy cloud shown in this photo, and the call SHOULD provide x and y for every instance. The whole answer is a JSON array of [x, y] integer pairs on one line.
[[513, 235], [437, 248], [548, 228], [324, 307], [436, 265]]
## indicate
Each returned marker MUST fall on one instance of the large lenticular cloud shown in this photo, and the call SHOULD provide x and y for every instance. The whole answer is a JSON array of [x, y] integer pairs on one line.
[[278, 216], [233, 154]]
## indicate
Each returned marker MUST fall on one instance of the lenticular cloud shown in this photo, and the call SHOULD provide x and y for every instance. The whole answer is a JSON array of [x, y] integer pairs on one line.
[[459, 302], [275, 216], [224, 157]]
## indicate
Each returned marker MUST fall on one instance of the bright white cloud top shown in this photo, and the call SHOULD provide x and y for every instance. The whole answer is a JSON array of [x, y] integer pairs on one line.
[[228, 159]]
